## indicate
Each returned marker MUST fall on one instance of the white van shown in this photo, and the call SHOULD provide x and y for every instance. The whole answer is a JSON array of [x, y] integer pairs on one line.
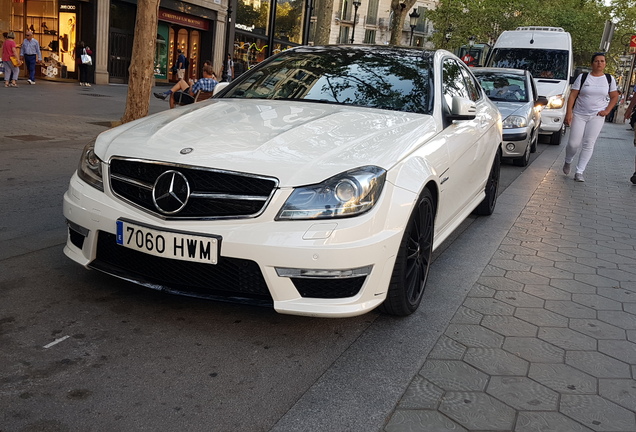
[[547, 53]]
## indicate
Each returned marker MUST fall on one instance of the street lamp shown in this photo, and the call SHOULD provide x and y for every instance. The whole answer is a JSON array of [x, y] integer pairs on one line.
[[471, 41], [449, 34], [356, 5], [413, 16]]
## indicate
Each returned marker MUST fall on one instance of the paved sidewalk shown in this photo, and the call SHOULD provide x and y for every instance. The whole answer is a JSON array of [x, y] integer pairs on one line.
[[546, 338]]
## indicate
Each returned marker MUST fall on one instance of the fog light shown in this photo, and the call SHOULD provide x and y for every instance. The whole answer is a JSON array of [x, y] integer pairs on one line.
[[510, 147], [321, 273], [556, 120]]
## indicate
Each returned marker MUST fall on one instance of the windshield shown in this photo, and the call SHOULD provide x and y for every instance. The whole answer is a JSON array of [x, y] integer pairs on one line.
[[503, 87], [542, 63], [399, 80]]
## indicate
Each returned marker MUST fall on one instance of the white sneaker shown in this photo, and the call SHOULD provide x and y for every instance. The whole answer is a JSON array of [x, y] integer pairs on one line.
[[82, 84], [87, 84], [30, 82]]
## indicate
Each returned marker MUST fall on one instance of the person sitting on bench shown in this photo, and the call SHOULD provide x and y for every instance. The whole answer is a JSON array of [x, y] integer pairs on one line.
[[183, 93]]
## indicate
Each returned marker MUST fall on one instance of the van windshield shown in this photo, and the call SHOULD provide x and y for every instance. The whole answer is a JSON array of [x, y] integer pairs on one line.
[[542, 63]]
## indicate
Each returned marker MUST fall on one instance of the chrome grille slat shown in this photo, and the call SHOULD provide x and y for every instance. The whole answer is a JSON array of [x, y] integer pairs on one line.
[[216, 194]]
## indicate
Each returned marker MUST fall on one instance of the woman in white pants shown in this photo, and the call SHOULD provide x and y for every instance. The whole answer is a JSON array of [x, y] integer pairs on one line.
[[586, 111]]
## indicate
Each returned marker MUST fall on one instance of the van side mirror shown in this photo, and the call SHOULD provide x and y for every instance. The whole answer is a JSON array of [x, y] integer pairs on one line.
[[572, 79]]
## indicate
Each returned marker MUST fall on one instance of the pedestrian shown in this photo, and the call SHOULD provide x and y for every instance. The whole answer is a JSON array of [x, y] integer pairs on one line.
[[183, 93], [30, 52], [586, 111], [182, 64], [228, 69], [11, 71], [631, 111], [80, 51]]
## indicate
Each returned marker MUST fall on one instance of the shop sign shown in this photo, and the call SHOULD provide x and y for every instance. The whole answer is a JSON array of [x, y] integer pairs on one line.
[[245, 27], [67, 7], [183, 19]]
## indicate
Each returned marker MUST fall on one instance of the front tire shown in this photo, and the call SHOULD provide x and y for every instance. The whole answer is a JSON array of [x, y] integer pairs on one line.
[[487, 206], [555, 138], [413, 261], [523, 160]]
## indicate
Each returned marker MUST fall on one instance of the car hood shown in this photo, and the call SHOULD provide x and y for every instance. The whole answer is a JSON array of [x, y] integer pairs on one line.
[[550, 87], [509, 108], [296, 142]]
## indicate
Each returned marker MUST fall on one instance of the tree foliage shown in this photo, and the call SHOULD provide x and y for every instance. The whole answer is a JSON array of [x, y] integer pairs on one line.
[[486, 19]]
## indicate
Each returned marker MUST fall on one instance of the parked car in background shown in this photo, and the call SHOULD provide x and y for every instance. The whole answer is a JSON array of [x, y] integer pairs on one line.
[[515, 94], [319, 182]]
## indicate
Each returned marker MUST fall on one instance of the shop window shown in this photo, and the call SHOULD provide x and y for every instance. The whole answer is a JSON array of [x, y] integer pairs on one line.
[[289, 21], [161, 56], [253, 16], [195, 41], [369, 36]]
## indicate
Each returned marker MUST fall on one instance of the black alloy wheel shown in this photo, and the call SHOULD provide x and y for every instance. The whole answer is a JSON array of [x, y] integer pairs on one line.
[[413, 261], [487, 206]]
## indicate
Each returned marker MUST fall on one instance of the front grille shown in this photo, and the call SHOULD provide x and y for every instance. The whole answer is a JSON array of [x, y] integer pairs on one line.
[[230, 278], [213, 193], [328, 288]]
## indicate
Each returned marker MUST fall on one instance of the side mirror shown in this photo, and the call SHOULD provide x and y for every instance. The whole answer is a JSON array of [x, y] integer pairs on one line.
[[541, 101], [572, 79], [462, 109], [219, 87]]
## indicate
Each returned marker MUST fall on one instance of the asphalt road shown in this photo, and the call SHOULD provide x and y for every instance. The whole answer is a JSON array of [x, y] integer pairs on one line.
[[81, 351]]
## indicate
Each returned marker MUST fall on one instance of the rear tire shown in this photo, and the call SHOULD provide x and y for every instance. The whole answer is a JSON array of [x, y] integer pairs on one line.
[[487, 206], [413, 261]]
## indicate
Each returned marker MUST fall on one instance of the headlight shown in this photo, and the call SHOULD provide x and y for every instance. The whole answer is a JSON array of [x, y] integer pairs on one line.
[[347, 194], [555, 102], [514, 122], [90, 167]]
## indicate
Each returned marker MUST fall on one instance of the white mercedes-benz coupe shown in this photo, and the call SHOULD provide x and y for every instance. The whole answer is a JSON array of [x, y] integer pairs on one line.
[[319, 182]]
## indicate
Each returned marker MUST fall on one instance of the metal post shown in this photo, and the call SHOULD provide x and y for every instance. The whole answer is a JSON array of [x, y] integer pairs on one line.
[[356, 5]]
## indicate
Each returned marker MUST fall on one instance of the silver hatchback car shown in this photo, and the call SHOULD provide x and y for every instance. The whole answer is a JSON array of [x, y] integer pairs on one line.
[[514, 93]]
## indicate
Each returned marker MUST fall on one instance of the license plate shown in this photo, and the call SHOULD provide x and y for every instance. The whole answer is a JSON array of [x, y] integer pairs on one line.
[[168, 244]]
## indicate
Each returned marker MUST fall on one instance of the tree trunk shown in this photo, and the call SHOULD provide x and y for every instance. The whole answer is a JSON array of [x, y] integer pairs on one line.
[[324, 12], [141, 70], [397, 23]]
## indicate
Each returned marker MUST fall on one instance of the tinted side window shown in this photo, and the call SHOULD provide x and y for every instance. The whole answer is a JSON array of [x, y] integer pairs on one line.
[[453, 83], [471, 85]]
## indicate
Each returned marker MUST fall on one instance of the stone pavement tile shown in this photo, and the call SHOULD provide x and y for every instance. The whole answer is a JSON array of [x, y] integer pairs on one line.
[[544, 245], [619, 391], [479, 290], [527, 278], [547, 422], [577, 252], [570, 309], [522, 393], [597, 262], [421, 394], [509, 264], [618, 294], [489, 306], [596, 280], [500, 283], [547, 292], [519, 299], [597, 364], [447, 348], [597, 413], [465, 315], [478, 411], [623, 275], [534, 350], [597, 329], [553, 272], [491, 270], [454, 375], [517, 250], [536, 260], [509, 326], [562, 378], [556, 256], [575, 267], [496, 361], [573, 286], [630, 308], [618, 318], [621, 350], [597, 302], [541, 317], [567, 339], [473, 335], [631, 336], [419, 421], [618, 258]]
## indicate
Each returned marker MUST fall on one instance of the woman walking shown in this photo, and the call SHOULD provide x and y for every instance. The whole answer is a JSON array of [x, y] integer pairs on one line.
[[586, 111], [81, 50], [11, 71]]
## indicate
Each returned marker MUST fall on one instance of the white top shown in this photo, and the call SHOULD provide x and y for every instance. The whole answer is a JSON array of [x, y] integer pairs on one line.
[[593, 97]]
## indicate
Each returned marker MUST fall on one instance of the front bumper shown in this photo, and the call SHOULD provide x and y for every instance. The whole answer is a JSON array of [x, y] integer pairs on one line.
[[551, 121], [251, 251], [515, 141]]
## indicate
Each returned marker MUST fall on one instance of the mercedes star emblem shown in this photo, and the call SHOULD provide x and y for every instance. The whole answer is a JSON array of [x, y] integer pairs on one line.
[[171, 192], [186, 150]]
